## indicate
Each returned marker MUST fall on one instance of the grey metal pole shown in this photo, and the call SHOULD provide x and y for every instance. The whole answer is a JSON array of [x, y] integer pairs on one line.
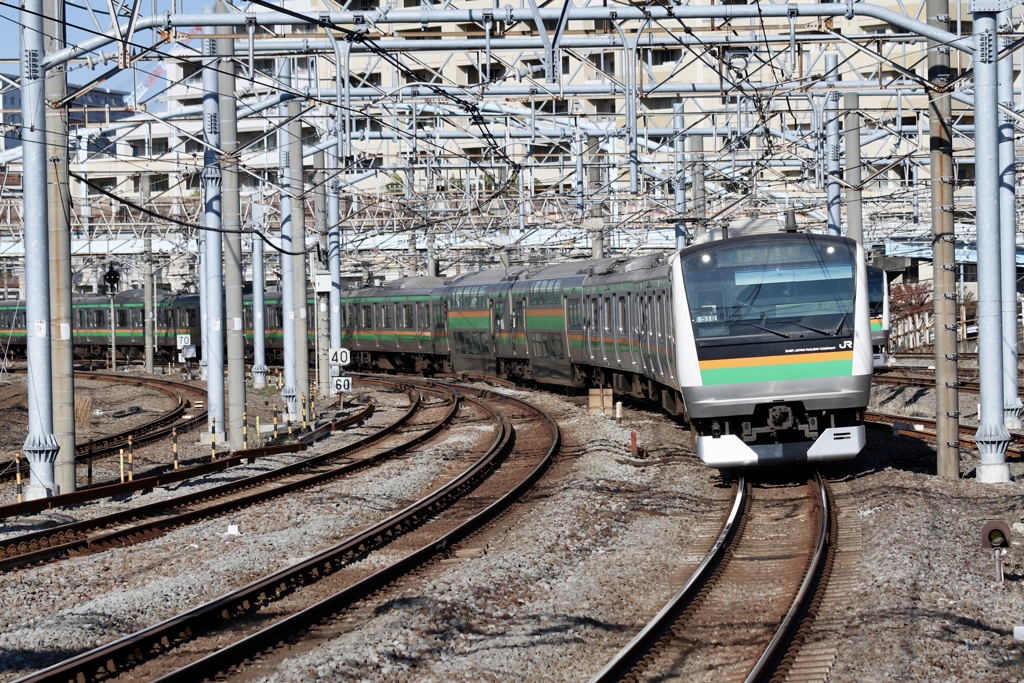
[[148, 304], [259, 352], [287, 243], [992, 436], [699, 206], [40, 445], [334, 247], [947, 407], [62, 353], [851, 135], [214, 282], [322, 299], [232, 224], [580, 178], [679, 174], [833, 190], [299, 279], [1008, 233], [204, 311]]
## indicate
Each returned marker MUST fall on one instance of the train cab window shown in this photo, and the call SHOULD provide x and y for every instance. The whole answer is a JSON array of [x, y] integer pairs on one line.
[[366, 320]]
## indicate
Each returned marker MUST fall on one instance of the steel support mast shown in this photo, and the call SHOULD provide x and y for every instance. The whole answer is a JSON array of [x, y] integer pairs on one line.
[[40, 446], [214, 279], [1008, 231], [287, 262], [992, 437]]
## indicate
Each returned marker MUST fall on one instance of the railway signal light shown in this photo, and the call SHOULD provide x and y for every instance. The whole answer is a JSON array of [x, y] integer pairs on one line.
[[112, 278], [995, 535]]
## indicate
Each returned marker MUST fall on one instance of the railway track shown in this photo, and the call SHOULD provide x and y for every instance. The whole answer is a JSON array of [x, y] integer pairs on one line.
[[743, 613], [179, 418], [242, 629], [149, 521]]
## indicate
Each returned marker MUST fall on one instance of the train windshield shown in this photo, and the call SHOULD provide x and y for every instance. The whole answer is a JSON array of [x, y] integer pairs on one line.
[[772, 286]]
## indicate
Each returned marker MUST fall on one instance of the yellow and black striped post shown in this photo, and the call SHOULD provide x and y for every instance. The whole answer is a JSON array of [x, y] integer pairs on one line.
[[303, 411], [312, 410], [17, 476], [174, 445], [131, 459], [213, 439], [258, 437], [245, 429], [121, 455], [275, 422]]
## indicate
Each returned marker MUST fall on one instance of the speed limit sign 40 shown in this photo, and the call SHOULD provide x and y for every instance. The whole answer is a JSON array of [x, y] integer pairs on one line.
[[339, 356], [341, 385]]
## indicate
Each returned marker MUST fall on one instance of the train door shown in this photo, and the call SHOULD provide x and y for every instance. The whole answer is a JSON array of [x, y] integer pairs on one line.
[[659, 326], [607, 329], [670, 337], [631, 329], [647, 341], [591, 326], [440, 333], [621, 328], [501, 315], [520, 347]]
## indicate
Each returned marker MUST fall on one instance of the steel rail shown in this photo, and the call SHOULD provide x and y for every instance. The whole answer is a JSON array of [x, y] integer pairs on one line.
[[162, 475], [55, 542], [784, 639], [627, 658], [131, 649], [287, 629]]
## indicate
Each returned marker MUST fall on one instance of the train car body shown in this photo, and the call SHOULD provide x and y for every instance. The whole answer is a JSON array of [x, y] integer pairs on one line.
[[763, 341], [878, 296]]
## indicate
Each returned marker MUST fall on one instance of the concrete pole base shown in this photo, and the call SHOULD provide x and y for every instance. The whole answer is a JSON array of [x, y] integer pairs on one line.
[[993, 473], [36, 491]]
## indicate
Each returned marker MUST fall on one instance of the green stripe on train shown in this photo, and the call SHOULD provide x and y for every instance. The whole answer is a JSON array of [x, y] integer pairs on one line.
[[775, 373]]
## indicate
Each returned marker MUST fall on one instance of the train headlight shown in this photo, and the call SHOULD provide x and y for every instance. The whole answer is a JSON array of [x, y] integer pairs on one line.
[[706, 258]]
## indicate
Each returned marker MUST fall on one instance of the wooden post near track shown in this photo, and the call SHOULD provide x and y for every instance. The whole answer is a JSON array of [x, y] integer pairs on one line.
[[174, 445]]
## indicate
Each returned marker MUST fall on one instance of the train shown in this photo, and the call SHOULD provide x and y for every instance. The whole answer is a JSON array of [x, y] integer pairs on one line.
[[878, 298], [762, 342]]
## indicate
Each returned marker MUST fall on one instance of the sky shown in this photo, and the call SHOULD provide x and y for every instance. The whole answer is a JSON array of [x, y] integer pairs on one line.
[[78, 16]]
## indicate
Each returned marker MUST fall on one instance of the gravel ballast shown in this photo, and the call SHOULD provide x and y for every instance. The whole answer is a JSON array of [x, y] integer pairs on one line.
[[553, 592]]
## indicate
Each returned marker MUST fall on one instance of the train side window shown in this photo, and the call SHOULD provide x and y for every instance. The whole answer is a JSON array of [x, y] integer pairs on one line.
[[367, 318], [387, 313], [405, 317], [122, 318], [660, 312], [622, 314], [101, 318], [520, 315], [607, 319]]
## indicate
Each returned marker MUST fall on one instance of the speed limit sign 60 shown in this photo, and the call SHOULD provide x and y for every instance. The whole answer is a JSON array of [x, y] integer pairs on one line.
[[341, 385]]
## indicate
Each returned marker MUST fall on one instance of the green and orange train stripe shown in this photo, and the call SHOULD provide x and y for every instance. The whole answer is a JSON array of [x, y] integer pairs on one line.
[[776, 368]]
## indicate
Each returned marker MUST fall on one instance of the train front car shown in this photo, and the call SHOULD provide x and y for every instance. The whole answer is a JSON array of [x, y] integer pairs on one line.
[[774, 345]]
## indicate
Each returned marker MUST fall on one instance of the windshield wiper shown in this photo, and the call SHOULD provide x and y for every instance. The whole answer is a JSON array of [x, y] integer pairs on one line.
[[761, 327], [806, 327], [839, 327]]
